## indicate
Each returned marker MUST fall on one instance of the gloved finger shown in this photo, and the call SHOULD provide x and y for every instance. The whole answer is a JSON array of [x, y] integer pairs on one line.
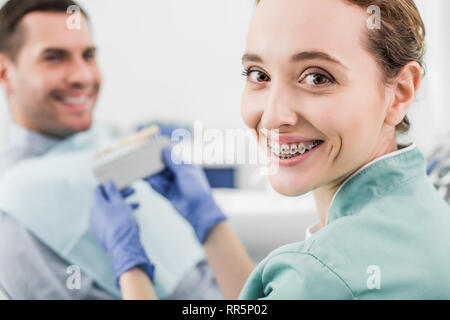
[[127, 191], [100, 194], [134, 206], [159, 182], [166, 175], [111, 190]]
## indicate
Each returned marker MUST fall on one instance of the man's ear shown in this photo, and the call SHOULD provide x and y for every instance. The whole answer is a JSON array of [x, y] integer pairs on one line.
[[404, 88], [5, 64]]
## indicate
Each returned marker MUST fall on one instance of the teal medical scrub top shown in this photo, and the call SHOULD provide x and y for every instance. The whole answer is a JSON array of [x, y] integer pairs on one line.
[[387, 236]]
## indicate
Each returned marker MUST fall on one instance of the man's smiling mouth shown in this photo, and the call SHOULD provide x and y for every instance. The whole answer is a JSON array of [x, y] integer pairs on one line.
[[74, 100]]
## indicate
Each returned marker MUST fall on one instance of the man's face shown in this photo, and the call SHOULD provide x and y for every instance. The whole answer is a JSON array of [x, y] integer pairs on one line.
[[54, 82]]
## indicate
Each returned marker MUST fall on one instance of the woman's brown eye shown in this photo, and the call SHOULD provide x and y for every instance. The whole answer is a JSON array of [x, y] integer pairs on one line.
[[316, 79], [258, 76]]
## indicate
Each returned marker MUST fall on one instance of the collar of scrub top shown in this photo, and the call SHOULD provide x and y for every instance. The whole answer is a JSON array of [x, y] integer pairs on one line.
[[375, 179], [381, 173], [33, 143]]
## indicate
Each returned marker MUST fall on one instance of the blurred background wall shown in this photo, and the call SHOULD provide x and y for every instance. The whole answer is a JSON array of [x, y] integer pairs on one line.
[[179, 61], [430, 116], [169, 60]]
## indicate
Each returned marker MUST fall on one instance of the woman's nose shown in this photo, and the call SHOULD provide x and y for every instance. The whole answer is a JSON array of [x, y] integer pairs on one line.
[[280, 108]]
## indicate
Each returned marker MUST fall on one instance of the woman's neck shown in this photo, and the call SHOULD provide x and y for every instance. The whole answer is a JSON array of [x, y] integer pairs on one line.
[[323, 195]]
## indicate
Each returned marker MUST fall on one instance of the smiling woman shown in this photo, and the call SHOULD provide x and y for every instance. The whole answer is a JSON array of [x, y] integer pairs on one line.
[[364, 82], [308, 83], [328, 95]]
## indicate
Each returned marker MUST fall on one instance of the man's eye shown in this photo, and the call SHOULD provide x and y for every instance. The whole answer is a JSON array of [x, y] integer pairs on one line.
[[257, 76], [52, 58], [89, 56], [317, 79]]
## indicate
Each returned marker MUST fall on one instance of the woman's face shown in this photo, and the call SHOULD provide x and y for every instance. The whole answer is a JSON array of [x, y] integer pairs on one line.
[[310, 77]]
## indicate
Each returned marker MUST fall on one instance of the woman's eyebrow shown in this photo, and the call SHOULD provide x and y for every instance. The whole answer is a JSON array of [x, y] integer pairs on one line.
[[251, 58], [302, 56], [316, 55]]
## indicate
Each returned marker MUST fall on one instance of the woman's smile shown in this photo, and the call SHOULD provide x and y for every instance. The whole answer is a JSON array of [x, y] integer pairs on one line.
[[288, 151], [289, 155]]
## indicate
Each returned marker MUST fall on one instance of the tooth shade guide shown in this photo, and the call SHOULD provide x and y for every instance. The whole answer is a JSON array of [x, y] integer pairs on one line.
[[136, 138], [124, 163]]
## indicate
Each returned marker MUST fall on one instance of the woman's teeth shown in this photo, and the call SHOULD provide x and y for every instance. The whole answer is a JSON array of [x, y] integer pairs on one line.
[[286, 151]]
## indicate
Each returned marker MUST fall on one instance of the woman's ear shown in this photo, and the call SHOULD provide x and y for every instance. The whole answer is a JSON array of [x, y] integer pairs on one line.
[[404, 88]]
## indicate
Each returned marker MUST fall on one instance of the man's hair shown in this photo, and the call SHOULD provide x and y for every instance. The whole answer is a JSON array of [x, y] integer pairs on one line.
[[12, 13]]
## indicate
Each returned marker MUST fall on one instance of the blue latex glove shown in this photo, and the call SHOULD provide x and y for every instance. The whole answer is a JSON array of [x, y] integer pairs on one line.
[[115, 227], [187, 188]]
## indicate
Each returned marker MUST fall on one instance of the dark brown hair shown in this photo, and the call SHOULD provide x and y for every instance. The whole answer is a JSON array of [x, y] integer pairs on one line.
[[11, 14], [399, 40]]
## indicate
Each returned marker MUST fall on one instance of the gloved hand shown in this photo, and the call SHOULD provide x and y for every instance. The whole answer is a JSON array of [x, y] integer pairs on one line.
[[187, 188], [115, 227]]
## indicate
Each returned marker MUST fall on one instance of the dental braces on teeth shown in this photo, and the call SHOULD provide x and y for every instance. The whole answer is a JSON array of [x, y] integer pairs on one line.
[[286, 151]]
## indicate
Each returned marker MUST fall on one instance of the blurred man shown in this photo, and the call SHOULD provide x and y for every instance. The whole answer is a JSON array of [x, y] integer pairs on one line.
[[52, 81]]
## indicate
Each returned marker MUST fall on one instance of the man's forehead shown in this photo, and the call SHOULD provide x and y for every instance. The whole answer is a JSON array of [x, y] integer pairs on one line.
[[53, 27]]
